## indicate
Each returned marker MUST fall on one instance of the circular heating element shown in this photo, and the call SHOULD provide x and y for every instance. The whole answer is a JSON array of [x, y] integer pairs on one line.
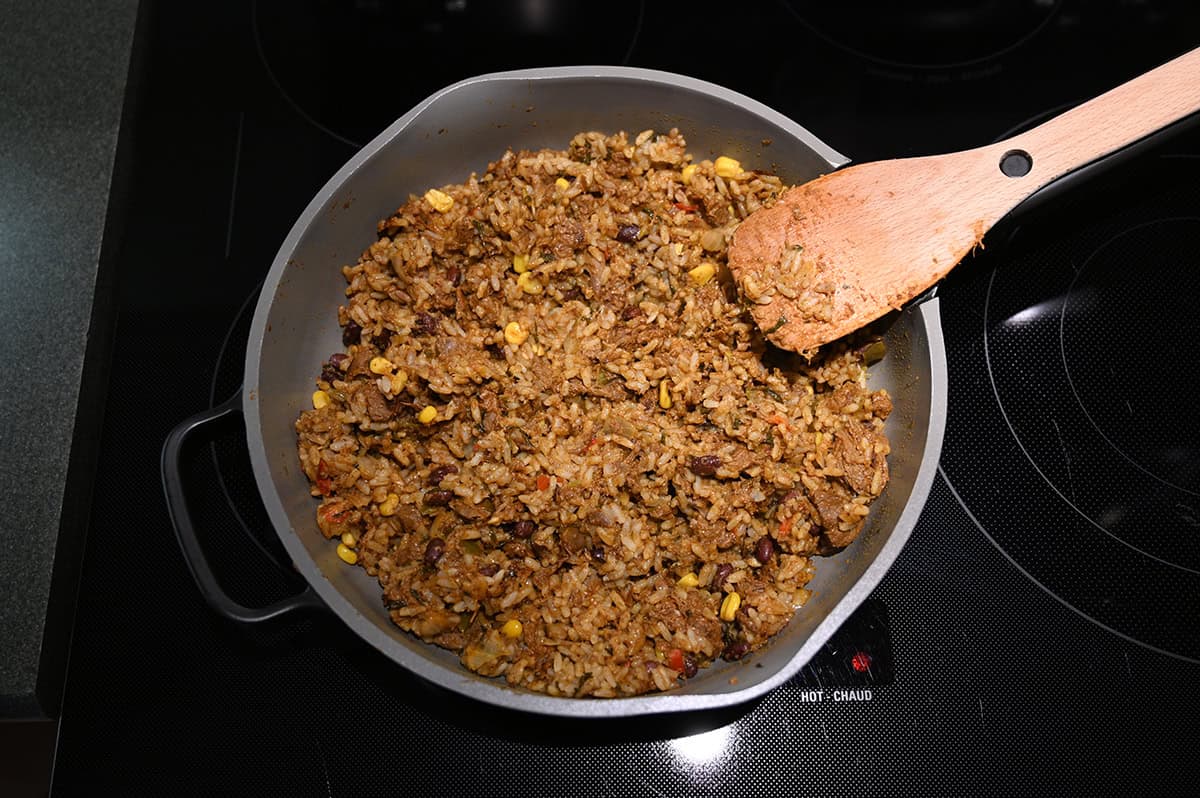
[[351, 69], [926, 35], [1071, 439]]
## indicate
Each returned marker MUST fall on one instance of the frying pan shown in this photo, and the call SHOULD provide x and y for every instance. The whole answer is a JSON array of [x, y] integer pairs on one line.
[[442, 140]]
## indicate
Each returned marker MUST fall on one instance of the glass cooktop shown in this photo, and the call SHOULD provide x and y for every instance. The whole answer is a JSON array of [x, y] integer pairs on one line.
[[1036, 635]]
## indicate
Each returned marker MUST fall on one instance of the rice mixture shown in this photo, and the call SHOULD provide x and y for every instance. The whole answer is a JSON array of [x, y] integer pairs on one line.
[[559, 441]]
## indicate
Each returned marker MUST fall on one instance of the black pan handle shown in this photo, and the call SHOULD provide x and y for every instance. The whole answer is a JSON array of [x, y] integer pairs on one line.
[[185, 530]]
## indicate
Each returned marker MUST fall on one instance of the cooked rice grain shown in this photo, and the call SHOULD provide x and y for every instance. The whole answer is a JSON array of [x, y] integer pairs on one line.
[[641, 429]]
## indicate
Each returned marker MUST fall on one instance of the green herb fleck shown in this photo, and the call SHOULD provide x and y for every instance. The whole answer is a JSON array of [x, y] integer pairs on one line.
[[874, 351], [782, 320]]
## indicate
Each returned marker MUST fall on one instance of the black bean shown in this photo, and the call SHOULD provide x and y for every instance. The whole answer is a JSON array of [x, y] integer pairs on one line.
[[434, 550], [382, 341], [438, 473], [351, 333], [597, 554], [425, 324], [764, 549], [523, 529], [705, 465], [628, 233], [689, 666], [438, 498], [339, 360], [736, 650], [490, 569], [631, 312], [722, 573], [330, 372]]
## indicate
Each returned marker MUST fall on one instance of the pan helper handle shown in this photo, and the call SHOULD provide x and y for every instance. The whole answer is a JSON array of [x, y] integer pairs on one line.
[[185, 530]]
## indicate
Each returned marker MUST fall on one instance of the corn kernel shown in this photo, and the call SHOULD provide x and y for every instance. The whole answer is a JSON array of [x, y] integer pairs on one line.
[[688, 172], [512, 628], [320, 399], [348, 555], [727, 167], [440, 200], [514, 334], [349, 539], [520, 263], [388, 506], [562, 183], [702, 273], [398, 381], [664, 394], [688, 580], [381, 365], [427, 415], [529, 284], [729, 606]]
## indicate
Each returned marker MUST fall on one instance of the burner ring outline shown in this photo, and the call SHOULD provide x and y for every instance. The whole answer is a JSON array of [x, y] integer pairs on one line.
[[987, 303], [1062, 350]]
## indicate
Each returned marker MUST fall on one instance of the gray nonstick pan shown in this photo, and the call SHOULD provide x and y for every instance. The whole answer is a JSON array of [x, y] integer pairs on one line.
[[451, 134]]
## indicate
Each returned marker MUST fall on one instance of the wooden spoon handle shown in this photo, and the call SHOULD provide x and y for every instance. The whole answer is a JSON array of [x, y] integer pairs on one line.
[[852, 244], [1104, 125]]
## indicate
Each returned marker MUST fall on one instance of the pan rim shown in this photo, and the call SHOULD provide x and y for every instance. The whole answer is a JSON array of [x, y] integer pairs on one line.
[[497, 692]]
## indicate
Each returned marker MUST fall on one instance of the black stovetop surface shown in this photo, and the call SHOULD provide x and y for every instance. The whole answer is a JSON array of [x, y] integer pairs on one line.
[[1035, 636]]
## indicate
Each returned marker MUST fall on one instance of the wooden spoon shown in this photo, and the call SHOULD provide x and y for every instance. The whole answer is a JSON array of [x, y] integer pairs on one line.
[[839, 252]]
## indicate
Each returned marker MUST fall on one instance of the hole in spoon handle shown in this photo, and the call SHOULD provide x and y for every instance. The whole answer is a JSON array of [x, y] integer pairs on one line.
[[1016, 163]]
